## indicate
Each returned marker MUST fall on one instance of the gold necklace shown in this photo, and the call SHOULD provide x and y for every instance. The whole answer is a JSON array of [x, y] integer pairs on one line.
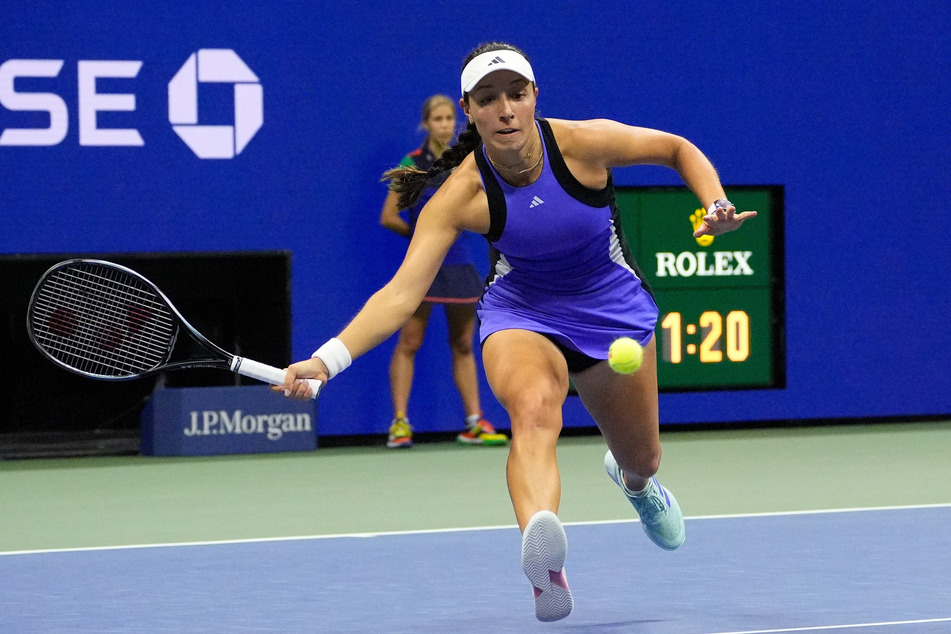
[[528, 157]]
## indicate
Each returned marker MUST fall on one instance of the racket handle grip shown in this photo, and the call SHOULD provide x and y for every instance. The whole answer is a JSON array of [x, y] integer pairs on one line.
[[267, 373]]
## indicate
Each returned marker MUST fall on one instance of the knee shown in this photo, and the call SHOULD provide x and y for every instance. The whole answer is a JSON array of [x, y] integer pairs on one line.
[[533, 412], [409, 343], [461, 346]]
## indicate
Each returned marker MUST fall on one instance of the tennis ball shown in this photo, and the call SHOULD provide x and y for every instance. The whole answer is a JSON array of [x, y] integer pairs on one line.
[[625, 355]]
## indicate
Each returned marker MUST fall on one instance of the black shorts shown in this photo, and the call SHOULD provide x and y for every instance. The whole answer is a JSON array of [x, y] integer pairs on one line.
[[577, 361], [455, 284]]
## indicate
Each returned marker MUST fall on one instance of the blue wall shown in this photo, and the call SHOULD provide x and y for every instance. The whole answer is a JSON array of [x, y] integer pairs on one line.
[[846, 105]]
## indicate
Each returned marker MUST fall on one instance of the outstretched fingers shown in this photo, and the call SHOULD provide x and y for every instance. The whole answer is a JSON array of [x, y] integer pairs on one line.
[[722, 220]]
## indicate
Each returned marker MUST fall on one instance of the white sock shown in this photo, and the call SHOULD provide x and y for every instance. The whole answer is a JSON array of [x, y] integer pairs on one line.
[[634, 494]]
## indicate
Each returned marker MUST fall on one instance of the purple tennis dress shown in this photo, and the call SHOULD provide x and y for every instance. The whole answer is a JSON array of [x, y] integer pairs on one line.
[[560, 263]]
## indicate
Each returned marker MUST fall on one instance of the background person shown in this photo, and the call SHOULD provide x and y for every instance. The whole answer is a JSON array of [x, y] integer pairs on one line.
[[457, 288]]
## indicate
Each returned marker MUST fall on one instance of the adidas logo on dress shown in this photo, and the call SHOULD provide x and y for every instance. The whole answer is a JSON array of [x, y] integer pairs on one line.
[[536, 201]]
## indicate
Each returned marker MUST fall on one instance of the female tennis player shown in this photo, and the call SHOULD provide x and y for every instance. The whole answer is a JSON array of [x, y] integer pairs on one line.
[[563, 287]]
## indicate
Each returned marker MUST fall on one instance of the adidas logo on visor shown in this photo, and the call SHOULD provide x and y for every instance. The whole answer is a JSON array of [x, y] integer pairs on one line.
[[496, 60]]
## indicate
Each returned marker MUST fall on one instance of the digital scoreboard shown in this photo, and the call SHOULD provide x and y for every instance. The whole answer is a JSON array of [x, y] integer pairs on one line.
[[721, 299]]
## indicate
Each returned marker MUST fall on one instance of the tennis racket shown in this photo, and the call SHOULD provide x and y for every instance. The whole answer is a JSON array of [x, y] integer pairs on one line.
[[105, 321]]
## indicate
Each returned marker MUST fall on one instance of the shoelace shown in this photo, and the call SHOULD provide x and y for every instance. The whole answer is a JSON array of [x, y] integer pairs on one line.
[[650, 507], [478, 429]]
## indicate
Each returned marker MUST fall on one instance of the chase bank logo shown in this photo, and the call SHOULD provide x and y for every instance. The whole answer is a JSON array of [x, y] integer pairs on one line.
[[206, 66], [215, 65]]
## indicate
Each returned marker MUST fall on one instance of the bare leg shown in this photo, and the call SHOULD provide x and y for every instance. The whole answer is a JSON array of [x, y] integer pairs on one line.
[[529, 376], [461, 319], [403, 361], [625, 409]]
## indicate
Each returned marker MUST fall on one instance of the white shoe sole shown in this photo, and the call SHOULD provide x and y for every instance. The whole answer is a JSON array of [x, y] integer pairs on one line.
[[544, 550]]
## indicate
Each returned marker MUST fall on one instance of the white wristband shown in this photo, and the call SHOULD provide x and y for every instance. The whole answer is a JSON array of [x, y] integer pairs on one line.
[[335, 356]]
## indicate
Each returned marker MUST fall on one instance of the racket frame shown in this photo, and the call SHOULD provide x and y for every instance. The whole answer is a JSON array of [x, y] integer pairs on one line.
[[221, 359]]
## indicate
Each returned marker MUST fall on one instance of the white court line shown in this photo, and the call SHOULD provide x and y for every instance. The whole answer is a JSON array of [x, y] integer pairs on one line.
[[429, 531], [857, 509], [841, 627]]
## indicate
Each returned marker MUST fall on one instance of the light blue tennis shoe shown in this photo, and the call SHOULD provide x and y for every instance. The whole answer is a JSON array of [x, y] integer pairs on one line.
[[661, 517]]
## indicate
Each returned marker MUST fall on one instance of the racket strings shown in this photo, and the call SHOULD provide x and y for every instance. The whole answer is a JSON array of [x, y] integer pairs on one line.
[[102, 321]]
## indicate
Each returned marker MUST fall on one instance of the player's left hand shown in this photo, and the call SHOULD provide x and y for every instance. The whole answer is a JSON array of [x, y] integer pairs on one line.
[[721, 218]]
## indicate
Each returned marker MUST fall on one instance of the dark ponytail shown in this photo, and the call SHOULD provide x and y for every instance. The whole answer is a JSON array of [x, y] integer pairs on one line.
[[409, 182]]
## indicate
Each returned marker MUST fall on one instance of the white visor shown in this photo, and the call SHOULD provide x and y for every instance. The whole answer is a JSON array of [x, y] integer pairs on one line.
[[482, 65]]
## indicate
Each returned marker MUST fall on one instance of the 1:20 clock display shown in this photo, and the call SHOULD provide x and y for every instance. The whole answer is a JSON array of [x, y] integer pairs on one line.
[[736, 333]]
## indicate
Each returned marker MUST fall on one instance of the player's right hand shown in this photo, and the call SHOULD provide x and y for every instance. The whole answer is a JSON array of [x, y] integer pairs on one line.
[[295, 385]]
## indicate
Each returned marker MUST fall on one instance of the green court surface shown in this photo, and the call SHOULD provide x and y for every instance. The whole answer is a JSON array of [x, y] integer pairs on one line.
[[92, 502]]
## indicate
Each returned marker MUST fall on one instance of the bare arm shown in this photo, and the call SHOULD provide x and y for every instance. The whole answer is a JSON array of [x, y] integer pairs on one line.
[[701, 177], [390, 216], [456, 206], [601, 144], [389, 308]]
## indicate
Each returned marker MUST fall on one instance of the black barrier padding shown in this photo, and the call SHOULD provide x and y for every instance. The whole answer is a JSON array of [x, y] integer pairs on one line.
[[239, 300]]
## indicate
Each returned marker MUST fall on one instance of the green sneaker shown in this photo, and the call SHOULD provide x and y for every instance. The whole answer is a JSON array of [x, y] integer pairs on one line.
[[401, 434], [481, 433], [661, 517]]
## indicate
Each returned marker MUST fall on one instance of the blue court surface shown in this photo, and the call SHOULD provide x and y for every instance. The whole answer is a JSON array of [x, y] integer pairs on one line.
[[876, 570]]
